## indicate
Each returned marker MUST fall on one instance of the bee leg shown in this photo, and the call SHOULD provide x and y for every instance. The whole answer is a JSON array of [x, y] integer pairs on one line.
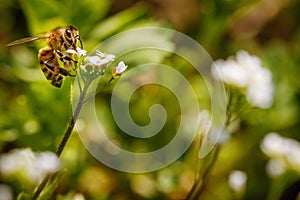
[[72, 75], [81, 45], [63, 57]]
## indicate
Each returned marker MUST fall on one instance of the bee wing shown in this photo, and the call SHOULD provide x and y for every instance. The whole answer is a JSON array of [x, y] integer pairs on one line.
[[26, 40]]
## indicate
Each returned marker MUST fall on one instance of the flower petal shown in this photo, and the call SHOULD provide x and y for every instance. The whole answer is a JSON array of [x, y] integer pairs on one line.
[[121, 68]]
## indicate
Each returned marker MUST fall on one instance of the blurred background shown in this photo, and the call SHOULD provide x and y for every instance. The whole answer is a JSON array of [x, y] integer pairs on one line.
[[35, 114]]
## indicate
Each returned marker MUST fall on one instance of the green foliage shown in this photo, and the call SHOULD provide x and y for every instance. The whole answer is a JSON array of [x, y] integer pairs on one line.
[[23, 196], [35, 114], [49, 189], [61, 13]]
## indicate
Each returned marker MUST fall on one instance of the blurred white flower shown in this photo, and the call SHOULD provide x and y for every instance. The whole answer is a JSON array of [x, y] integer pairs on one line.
[[204, 122], [285, 149], [78, 196], [230, 72], [33, 166], [260, 95], [210, 135], [272, 145], [237, 181], [45, 163], [246, 71], [144, 185], [6, 193], [218, 135], [276, 167]]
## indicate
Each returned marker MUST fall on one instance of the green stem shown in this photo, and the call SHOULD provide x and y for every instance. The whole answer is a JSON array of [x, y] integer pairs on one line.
[[72, 122], [40, 188], [200, 182], [64, 140]]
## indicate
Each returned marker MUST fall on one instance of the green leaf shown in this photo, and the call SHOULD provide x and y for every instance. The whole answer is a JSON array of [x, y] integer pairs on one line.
[[23, 196], [48, 191]]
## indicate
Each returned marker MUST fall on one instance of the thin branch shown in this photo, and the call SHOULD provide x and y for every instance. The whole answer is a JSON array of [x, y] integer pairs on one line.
[[199, 184], [64, 140], [72, 122], [203, 174]]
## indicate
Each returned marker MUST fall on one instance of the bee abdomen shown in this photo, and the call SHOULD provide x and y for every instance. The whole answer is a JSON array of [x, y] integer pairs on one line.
[[57, 80], [50, 67], [49, 75]]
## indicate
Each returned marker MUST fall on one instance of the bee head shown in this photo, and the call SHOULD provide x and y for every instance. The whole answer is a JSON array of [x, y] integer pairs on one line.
[[72, 35]]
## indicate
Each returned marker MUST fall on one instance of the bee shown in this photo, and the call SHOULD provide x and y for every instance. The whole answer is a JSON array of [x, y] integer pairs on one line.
[[59, 40]]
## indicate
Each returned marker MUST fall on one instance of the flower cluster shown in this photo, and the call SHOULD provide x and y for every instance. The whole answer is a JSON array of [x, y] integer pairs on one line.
[[101, 60], [32, 166], [247, 72], [97, 64], [284, 154]]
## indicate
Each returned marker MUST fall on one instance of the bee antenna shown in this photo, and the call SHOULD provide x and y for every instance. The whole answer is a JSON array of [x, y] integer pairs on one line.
[[81, 45]]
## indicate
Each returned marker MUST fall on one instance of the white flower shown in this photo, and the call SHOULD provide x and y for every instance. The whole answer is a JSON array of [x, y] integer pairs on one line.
[[260, 89], [120, 68], [78, 196], [95, 65], [230, 72], [237, 181], [80, 52], [97, 61], [6, 193], [204, 122], [276, 167], [32, 166], [249, 62], [247, 72], [46, 162], [100, 54], [94, 60], [71, 51], [272, 145], [285, 149], [101, 59], [218, 135], [109, 57]]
